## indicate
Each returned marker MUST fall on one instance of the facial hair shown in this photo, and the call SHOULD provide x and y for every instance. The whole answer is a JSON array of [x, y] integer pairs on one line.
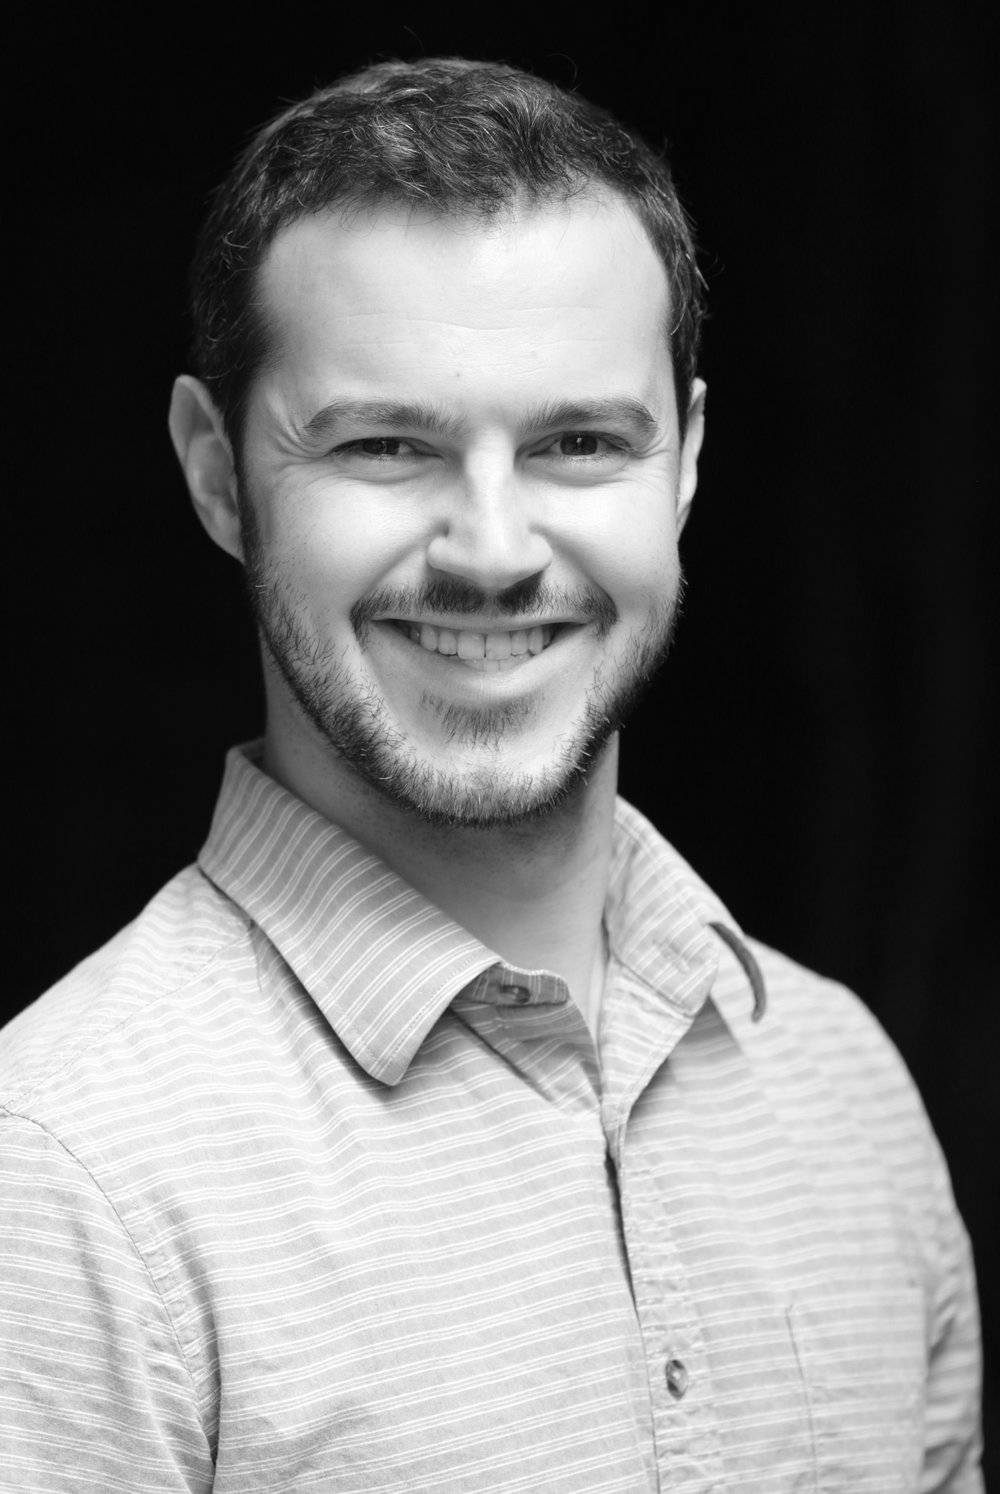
[[349, 713]]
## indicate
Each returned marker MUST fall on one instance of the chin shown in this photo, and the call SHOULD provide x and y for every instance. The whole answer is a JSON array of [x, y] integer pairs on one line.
[[485, 798], [472, 779]]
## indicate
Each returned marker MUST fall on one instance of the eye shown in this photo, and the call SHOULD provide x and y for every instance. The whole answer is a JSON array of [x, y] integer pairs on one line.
[[584, 453], [376, 448], [582, 444]]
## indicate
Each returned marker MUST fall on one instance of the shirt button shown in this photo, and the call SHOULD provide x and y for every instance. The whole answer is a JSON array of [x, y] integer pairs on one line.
[[521, 994], [677, 1378]]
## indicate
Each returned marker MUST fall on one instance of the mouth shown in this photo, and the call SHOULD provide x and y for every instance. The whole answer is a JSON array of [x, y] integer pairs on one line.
[[487, 651]]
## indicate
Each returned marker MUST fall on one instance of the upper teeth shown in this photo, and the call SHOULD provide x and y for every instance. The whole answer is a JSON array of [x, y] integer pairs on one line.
[[472, 645]]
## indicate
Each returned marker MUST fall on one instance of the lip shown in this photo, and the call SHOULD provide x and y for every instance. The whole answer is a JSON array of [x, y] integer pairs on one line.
[[484, 624]]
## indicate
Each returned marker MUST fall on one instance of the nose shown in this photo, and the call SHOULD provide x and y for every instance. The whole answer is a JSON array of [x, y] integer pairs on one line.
[[485, 534]]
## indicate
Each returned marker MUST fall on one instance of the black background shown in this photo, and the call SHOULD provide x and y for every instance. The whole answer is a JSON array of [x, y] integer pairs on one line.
[[823, 745]]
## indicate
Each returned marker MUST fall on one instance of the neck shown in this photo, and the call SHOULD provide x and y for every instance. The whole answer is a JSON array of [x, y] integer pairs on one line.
[[533, 892]]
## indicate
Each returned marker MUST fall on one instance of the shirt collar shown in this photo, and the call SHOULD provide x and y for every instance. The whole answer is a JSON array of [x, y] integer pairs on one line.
[[379, 960], [660, 914], [382, 962]]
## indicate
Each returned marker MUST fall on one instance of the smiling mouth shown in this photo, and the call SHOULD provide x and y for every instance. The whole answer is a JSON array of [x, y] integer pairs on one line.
[[486, 651]]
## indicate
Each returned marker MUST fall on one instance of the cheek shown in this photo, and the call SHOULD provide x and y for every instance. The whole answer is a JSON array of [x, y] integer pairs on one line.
[[333, 547], [628, 544]]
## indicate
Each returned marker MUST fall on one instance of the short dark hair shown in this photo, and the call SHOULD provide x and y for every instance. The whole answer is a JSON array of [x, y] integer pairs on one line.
[[456, 136]]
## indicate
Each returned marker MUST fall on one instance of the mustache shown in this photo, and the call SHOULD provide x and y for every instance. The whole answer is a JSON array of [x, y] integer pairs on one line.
[[527, 600]]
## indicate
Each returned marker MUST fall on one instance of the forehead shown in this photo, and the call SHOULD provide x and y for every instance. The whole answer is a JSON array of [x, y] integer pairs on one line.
[[568, 290]]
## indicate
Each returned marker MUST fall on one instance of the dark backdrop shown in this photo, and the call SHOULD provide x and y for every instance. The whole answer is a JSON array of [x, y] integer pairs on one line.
[[821, 745]]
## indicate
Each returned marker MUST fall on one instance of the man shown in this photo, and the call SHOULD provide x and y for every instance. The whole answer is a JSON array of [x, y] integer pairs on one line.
[[440, 1129]]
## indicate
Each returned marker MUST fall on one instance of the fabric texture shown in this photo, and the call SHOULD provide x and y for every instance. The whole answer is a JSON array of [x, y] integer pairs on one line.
[[302, 1188]]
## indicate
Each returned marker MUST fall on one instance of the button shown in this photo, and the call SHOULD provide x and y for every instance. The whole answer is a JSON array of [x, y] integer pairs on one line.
[[521, 994], [677, 1378]]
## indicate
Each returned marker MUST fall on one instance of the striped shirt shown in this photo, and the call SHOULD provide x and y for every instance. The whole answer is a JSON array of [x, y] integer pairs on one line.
[[303, 1188]]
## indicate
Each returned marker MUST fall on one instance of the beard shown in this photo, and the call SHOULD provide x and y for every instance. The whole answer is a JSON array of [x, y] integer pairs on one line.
[[483, 791]]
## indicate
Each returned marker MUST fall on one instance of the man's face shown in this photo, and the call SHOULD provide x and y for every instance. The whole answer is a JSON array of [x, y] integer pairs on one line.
[[462, 486]]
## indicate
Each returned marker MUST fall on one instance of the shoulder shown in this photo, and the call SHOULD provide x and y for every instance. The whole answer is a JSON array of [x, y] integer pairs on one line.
[[108, 1016], [838, 1031], [837, 1074]]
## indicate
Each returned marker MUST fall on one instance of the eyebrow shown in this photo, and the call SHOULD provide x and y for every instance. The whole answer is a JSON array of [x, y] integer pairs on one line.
[[617, 410], [403, 414]]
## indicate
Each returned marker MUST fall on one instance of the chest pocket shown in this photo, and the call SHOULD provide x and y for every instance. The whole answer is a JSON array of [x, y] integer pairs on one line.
[[862, 1352]]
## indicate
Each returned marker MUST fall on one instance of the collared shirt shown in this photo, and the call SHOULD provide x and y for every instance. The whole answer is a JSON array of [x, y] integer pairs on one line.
[[303, 1189]]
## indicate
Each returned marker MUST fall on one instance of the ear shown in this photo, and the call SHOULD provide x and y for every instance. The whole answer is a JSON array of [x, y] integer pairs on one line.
[[694, 433], [206, 459]]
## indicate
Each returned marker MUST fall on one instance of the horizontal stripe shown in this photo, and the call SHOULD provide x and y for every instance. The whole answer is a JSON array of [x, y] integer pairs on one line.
[[296, 1197]]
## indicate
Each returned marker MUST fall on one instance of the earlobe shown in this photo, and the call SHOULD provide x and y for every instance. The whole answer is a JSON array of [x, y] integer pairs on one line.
[[206, 459], [694, 432]]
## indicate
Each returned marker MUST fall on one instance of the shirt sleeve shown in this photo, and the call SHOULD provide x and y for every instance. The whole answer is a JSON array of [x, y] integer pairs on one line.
[[95, 1392], [952, 1426]]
